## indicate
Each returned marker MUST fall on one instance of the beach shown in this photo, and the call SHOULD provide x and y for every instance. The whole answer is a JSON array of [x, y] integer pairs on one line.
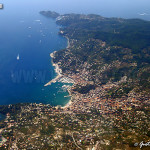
[[68, 45], [57, 70], [60, 77]]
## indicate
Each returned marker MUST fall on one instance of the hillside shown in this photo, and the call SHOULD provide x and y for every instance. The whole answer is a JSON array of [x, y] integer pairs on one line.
[[111, 48]]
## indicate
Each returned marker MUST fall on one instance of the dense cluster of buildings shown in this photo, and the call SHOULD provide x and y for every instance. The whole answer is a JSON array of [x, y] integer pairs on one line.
[[85, 124]]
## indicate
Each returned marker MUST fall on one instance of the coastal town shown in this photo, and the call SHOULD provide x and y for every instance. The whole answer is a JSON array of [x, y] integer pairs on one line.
[[109, 107], [58, 71], [39, 126]]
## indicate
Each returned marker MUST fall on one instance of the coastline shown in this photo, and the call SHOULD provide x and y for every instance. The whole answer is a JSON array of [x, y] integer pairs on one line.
[[68, 45], [60, 77], [69, 102], [57, 70]]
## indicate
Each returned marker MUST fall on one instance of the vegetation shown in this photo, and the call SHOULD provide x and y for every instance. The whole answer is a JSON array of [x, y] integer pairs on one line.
[[112, 47], [51, 14], [84, 89]]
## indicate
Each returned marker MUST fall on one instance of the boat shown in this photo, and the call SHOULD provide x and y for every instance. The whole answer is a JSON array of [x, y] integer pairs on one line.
[[67, 96], [143, 14], [37, 20], [18, 57]]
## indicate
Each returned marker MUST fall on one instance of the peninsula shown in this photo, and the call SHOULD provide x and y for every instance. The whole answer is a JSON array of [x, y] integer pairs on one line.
[[108, 60]]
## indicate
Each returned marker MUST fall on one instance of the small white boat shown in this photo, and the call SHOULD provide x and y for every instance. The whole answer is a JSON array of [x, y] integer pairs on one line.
[[143, 14], [18, 57], [37, 20]]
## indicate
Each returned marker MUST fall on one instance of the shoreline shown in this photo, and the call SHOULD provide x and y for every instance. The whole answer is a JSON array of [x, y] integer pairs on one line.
[[57, 70], [69, 102], [60, 76], [68, 45]]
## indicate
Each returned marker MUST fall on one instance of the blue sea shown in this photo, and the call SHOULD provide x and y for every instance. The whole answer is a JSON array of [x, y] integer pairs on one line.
[[27, 38]]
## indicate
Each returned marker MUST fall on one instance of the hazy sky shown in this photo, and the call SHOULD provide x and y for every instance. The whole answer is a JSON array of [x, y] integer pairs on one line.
[[108, 8]]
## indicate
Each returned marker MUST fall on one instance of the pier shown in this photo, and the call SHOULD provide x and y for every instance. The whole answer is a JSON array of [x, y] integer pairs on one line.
[[53, 80]]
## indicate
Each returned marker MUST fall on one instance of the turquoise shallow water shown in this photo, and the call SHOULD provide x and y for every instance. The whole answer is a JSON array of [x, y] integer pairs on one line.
[[32, 37]]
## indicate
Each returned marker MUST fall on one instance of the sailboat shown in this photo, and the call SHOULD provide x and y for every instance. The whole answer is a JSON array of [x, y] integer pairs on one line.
[[18, 57]]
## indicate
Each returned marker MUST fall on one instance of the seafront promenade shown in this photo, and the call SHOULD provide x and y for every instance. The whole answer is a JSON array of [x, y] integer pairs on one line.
[[57, 70], [59, 76], [53, 80]]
